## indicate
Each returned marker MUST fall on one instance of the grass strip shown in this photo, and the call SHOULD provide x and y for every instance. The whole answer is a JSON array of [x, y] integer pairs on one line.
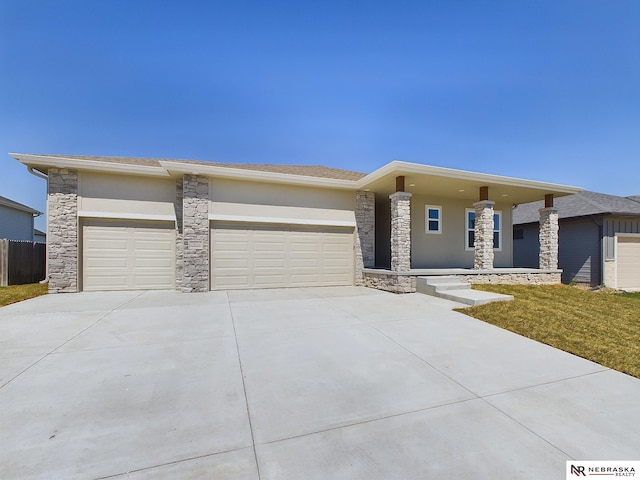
[[18, 293], [603, 327]]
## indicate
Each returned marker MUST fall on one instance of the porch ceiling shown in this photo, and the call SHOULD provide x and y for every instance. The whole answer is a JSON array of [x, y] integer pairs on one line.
[[459, 184]]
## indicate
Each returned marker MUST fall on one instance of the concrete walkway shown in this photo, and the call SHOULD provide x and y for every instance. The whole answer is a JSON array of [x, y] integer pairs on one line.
[[323, 383]]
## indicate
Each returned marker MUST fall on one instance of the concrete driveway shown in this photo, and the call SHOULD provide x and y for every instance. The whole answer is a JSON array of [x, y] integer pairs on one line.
[[318, 383]]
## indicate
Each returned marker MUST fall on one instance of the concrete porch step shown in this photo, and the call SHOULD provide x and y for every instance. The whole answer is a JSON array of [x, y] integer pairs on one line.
[[454, 289]]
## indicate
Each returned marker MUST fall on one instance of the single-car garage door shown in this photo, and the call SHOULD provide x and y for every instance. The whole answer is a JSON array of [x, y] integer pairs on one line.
[[264, 256], [128, 255], [628, 262]]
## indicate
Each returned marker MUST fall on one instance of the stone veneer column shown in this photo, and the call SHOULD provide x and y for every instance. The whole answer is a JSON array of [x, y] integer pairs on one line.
[[195, 241], [400, 231], [365, 233], [548, 238], [483, 250], [177, 207], [62, 230]]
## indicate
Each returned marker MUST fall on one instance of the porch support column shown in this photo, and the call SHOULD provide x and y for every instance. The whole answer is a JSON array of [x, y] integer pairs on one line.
[[400, 231], [483, 250], [549, 238], [365, 233], [195, 234]]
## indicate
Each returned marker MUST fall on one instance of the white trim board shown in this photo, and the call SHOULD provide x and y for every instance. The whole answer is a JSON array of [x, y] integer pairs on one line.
[[125, 216], [283, 220]]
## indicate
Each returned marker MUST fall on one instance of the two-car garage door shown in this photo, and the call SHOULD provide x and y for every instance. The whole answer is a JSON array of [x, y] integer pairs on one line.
[[263, 256]]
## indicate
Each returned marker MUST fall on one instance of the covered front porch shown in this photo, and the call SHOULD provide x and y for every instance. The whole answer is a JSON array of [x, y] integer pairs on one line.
[[420, 221]]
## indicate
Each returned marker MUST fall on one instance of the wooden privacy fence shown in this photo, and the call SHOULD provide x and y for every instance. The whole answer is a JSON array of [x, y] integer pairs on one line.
[[21, 262]]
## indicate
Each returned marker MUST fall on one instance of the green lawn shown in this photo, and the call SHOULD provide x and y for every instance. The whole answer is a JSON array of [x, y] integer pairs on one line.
[[602, 327], [17, 293], [635, 295]]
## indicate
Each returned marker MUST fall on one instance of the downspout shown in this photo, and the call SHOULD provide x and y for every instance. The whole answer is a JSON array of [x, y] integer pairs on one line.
[[46, 262], [603, 245], [37, 174]]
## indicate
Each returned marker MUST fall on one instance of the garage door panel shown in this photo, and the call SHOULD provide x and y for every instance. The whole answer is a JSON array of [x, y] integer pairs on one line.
[[148, 282], [304, 264], [265, 248], [109, 244], [230, 263], [122, 255], [270, 263], [106, 263], [151, 264], [270, 279], [151, 247], [232, 281], [110, 282], [281, 256]]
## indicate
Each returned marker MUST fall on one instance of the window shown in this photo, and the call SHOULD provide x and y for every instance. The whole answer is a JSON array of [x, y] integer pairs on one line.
[[432, 219], [470, 225]]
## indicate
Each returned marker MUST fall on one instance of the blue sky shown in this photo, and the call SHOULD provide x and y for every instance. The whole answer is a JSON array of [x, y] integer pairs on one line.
[[547, 90]]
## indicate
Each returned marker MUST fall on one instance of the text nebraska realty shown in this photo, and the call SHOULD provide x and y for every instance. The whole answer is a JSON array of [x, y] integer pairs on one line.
[[579, 470]]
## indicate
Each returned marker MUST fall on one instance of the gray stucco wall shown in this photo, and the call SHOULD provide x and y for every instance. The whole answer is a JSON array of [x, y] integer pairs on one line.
[[15, 224], [447, 250]]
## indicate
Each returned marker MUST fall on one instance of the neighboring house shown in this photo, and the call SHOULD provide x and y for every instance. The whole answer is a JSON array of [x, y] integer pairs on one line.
[[16, 220], [131, 223], [599, 241], [39, 236]]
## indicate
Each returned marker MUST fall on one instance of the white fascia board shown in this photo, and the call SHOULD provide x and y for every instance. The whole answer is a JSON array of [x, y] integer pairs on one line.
[[401, 167], [282, 220], [93, 165], [125, 216], [256, 175]]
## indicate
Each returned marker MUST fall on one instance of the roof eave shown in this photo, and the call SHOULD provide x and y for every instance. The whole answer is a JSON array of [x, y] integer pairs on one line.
[[20, 207], [399, 167], [39, 161], [168, 168]]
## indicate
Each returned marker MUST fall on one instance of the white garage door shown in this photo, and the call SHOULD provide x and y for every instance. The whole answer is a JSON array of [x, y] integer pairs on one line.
[[128, 256], [628, 263], [252, 256]]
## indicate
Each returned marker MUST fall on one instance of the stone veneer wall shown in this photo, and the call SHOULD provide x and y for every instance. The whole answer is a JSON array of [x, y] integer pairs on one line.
[[400, 231], [365, 233], [542, 278], [390, 282], [177, 207], [483, 250], [195, 234], [62, 230], [406, 283], [548, 238]]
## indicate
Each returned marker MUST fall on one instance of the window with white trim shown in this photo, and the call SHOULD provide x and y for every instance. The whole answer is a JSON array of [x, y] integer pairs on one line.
[[470, 230], [432, 219]]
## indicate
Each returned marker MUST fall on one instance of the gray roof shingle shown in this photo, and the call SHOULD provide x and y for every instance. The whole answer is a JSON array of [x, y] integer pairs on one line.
[[579, 205], [7, 202], [303, 170]]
